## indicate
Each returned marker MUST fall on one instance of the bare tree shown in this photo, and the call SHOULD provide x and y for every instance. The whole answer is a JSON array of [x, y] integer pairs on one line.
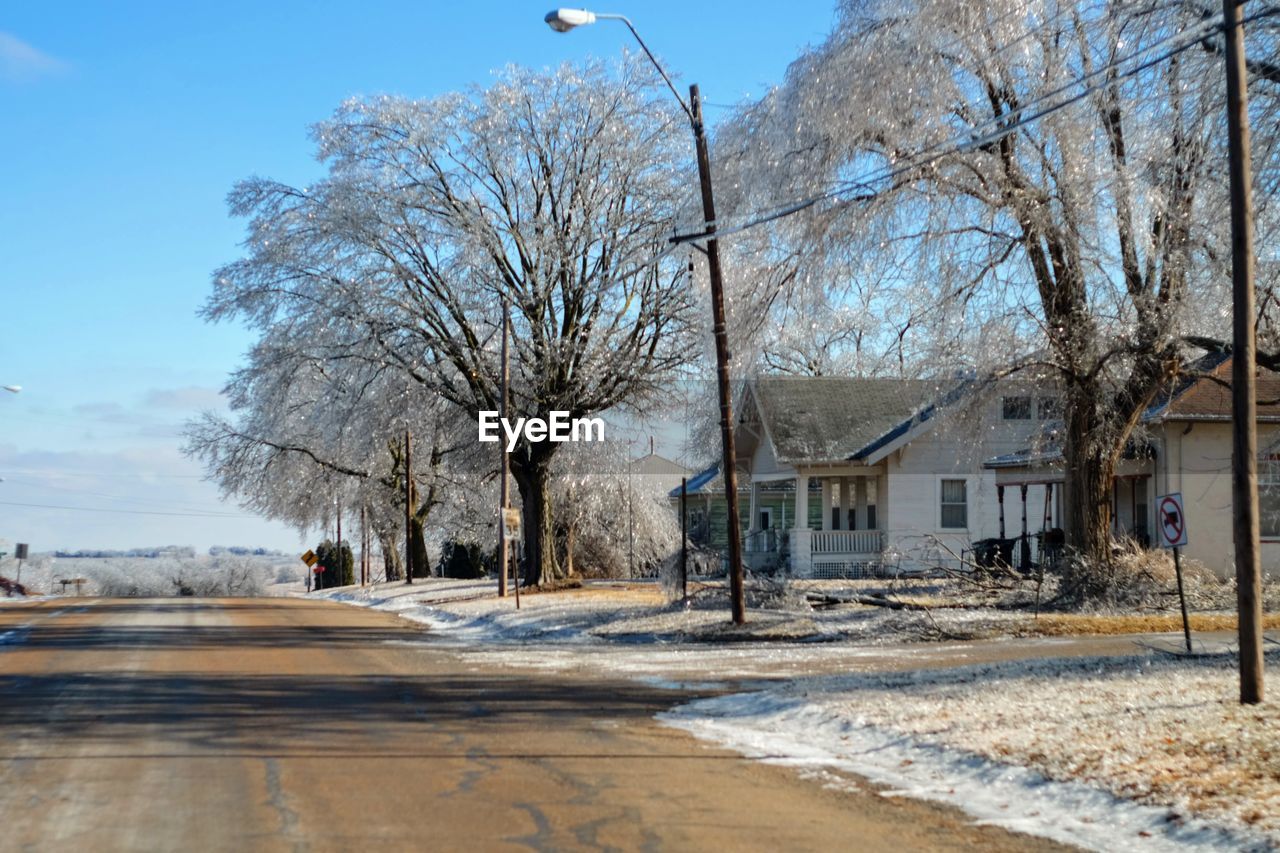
[[316, 428], [553, 192], [1048, 177]]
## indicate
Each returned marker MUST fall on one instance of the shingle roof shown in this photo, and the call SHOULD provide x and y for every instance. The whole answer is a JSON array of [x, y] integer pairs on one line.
[[835, 418], [1208, 397]]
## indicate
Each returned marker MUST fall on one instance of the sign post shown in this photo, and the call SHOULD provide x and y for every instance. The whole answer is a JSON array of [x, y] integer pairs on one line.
[[1171, 522], [311, 559], [511, 531]]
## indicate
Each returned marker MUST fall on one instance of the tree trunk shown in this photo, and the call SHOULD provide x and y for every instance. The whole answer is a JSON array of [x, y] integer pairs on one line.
[[570, 535], [418, 548], [1090, 450], [533, 479], [390, 557]]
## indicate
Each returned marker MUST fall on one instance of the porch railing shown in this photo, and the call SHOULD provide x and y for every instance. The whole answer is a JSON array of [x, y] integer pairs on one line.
[[848, 541], [761, 541]]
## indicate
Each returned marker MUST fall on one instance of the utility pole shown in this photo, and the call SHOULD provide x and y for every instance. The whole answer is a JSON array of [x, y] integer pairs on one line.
[[504, 489], [631, 524], [364, 544], [342, 563], [563, 20], [684, 540], [728, 467], [1244, 443], [408, 508]]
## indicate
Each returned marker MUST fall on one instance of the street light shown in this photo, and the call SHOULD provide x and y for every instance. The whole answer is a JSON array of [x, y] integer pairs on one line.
[[12, 389], [563, 20]]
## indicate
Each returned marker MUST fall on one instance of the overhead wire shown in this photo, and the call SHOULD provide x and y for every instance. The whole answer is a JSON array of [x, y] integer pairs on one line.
[[126, 511], [1185, 39], [120, 498]]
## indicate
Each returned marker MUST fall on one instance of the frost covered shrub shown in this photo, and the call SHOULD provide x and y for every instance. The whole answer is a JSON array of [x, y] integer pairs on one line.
[[1141, 578], [199, 576], [611, 523]]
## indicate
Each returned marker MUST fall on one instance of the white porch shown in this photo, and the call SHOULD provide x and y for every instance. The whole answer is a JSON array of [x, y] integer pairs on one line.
[[840, 534]]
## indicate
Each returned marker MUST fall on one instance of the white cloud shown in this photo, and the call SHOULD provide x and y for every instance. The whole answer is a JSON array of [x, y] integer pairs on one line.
[[20, 62]]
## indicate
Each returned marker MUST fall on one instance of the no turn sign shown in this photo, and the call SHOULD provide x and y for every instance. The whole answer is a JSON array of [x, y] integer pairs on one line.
[[1171, 521]]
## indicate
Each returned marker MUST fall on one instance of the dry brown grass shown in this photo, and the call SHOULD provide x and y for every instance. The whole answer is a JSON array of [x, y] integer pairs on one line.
[[1065, 624]]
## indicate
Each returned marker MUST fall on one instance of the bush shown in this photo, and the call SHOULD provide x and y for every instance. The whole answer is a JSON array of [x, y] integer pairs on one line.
[[339, 565], [462, 560], [1141, 578]]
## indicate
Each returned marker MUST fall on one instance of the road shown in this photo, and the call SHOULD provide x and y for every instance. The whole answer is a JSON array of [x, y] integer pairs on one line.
[[281, 724]]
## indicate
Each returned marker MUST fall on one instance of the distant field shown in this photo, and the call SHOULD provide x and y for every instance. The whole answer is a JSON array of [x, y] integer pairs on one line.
[[224, 574]]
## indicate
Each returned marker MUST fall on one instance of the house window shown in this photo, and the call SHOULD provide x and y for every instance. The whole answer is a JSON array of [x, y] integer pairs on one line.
[[871, 517], [1017, 408], [1049, 409], [1269, 497], [766, 518], [955, 504]]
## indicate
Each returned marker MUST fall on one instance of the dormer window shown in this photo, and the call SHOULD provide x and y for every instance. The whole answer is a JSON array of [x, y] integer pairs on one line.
[[1017, 408]]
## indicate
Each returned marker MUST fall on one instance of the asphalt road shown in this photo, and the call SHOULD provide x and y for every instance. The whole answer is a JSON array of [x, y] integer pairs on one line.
[[271, 724]]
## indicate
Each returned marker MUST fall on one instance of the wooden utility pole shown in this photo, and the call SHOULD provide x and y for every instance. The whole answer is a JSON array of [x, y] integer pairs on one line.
[[504, 466], [1244, 444], [684, 539], [728, 465], [364, 545], [408, 508], [342, 564]]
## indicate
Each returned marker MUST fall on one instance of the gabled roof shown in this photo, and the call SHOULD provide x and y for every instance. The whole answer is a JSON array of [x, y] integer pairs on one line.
[[836, 418], [657, 465], [1205, 394]]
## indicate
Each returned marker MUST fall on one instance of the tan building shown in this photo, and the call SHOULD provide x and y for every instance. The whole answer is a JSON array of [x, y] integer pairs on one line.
[[1183, 445]]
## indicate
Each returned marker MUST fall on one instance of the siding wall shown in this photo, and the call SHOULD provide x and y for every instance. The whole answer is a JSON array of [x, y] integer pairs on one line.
[[956, 449], [1197, 463]]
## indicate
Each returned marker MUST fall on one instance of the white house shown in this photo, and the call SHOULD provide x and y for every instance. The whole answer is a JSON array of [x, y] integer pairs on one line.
[[1183, 445], [898, 465]]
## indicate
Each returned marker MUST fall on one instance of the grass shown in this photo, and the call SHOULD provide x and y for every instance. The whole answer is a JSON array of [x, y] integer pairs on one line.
[[1066, 624]]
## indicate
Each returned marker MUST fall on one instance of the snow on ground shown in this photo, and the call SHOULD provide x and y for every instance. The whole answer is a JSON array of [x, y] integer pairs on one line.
[[1136, 751], [637, 612], [1127, 753]]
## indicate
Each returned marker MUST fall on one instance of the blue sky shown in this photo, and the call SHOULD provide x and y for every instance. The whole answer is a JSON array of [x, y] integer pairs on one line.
[[126, 123]]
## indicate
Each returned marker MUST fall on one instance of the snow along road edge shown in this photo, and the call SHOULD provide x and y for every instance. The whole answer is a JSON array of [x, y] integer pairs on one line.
[[788, 731]]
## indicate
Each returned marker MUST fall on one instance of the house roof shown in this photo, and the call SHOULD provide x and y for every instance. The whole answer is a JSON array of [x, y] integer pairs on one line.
[[699, 482], [657, 465], [707, 481], [1201, 393], [836, 418], [1205, 395]]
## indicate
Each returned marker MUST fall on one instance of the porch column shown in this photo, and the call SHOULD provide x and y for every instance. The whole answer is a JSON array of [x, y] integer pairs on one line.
[[873, 488], [801, 535], [1000, 501], [860, 520], [754, 523], [844, 520], [827, 485]]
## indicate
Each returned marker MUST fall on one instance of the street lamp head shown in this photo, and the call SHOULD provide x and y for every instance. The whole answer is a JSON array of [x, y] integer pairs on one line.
[[12, 389], [563, 20]]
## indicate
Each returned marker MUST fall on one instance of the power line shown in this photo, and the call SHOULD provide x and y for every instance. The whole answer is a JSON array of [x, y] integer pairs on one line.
[[121, 498], [125, 511], [107, 474], [960, 143]]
